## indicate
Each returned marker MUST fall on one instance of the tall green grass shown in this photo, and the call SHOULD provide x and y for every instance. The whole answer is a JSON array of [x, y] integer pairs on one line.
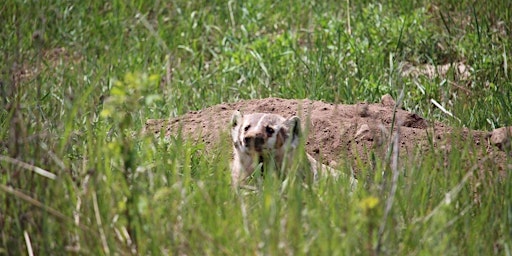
[[78, 80]]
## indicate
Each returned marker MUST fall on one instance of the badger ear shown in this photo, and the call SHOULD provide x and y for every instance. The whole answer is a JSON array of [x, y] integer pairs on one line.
[[294, 130], [236, 118]]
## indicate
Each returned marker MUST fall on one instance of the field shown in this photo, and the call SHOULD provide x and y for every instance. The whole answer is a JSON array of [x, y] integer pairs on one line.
[[79, 79]]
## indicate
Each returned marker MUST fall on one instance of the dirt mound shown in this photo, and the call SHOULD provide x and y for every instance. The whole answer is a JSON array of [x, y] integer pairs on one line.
[[338, 132]]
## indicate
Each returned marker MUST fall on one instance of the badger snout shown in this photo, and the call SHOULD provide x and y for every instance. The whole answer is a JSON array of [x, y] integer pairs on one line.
[[256, 142]]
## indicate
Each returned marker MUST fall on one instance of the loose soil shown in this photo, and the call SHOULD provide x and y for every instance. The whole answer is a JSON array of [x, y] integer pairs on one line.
[[348, 134]]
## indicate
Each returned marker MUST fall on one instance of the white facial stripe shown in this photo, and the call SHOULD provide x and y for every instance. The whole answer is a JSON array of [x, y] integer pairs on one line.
[[241, 134], [235, 132], [259, 122]]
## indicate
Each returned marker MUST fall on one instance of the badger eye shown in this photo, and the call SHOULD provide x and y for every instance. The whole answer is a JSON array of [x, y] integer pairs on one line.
[[269, 130], [247, 127]]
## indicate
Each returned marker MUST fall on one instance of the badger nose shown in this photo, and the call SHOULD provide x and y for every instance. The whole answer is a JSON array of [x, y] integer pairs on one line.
[[256, 141]]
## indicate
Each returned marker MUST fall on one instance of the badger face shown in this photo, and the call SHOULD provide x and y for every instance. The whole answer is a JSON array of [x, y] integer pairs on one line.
[[260, 139], [258, 133]]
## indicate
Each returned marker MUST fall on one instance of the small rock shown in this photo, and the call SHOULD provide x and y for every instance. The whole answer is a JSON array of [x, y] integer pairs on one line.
[[501, 137], [362, 110], [363, 133], [387, 101]]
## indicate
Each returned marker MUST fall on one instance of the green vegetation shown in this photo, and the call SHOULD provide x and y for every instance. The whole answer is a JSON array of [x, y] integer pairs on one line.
[[79, 78]]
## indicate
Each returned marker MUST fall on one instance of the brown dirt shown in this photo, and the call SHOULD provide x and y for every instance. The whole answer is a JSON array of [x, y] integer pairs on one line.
[[337, 132], [47, 61]]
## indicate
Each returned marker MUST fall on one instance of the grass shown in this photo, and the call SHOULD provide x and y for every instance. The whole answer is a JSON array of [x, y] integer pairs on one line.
[[79, 78]]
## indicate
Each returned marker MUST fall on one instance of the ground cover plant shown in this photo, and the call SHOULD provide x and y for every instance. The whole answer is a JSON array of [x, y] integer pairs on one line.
[[78, 80]]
